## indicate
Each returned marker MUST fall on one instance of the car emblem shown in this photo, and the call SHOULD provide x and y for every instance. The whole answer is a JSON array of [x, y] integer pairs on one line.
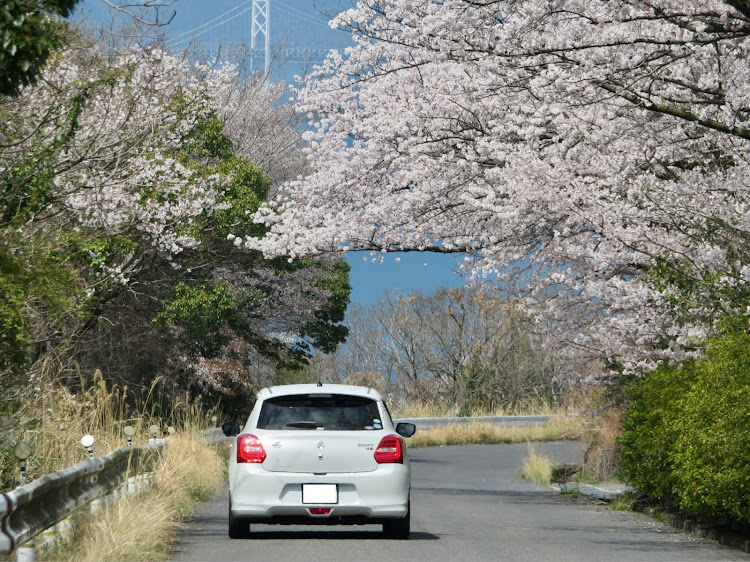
[[320, 444], [276, 444]]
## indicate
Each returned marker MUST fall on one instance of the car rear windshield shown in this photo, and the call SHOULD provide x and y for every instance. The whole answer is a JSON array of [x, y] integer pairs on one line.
[[335, 412]]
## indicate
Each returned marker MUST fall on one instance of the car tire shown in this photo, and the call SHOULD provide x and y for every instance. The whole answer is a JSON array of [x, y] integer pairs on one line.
[[398, 528], [239, 528]]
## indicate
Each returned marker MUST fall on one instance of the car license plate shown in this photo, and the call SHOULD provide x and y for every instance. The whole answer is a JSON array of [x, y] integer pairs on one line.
[[320, 493]]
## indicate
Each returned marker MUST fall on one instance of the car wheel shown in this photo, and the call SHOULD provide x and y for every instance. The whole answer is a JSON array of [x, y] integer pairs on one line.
[[238, 528], [398, 528]]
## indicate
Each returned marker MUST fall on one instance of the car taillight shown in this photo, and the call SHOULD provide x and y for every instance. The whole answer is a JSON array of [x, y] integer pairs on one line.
[[250, 449], [390, 449]]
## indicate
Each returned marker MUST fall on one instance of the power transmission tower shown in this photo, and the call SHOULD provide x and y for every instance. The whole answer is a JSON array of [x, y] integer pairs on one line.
[[261, 26]]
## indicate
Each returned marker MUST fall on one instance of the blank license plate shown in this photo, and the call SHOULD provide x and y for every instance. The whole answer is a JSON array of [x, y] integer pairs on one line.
[[320, 493]]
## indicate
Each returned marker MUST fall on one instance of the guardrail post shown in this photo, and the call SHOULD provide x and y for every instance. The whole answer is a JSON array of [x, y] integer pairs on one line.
[[47, 539], [129, 431], [65, 527], [87, 442], [96, 506], [22, 451], [132, 486], [27, 551]]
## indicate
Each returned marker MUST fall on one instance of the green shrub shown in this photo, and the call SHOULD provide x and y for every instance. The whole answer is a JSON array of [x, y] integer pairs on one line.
[[686, 432], [712, 451], [650, 430]]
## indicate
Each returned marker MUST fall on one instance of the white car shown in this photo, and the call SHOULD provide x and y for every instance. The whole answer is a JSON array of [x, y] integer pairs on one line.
[[321, 454]]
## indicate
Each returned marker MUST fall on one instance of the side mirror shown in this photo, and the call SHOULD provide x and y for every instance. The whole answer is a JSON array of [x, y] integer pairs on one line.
[[230, 428], [406, 429]]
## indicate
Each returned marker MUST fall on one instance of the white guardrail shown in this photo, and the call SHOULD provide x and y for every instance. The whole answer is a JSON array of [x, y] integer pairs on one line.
[[518, 421], [33, 508]]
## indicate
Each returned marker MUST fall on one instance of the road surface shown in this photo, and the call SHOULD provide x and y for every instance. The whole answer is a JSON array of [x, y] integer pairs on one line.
[[468, 503]]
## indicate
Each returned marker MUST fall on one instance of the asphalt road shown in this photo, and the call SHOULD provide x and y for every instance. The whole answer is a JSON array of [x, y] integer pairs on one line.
[[468, 503]]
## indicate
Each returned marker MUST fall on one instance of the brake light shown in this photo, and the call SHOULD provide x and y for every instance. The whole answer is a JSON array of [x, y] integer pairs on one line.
[[250, 449], [320, 510], [390, 450]]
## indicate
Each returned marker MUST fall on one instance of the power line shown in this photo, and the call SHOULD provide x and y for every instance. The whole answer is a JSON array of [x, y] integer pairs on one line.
[[313, 37], [175, 43], [302, 15], [213, 20]]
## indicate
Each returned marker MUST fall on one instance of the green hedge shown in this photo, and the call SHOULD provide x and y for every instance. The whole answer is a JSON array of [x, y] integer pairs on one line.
[[687, 433]]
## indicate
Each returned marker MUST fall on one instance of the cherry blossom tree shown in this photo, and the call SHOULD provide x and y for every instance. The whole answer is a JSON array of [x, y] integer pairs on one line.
[[108, 138], [89, 170], [121, 192], [265, 127], [601, 147]]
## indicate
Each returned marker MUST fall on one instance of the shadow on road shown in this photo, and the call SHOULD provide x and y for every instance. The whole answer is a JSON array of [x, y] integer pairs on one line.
[[333, 535], [412, 460]]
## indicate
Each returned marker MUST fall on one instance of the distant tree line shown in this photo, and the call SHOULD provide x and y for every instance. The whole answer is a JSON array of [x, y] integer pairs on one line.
[[470, 347]]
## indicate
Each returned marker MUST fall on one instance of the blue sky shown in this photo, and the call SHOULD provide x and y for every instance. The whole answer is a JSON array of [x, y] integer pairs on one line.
[[414, 271]]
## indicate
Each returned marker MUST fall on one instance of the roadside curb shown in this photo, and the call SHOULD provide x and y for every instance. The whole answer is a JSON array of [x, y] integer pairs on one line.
[[604, 492], [722, 535], [610, 492]]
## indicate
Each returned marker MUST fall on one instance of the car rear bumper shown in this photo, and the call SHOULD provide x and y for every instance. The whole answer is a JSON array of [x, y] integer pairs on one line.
[[319, 520], [276, 497]]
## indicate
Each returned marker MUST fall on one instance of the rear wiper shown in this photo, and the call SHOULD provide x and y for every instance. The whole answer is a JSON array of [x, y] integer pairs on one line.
[[308, 424]]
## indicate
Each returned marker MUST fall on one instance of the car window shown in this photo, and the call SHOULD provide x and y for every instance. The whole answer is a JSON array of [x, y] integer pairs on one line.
[[335, 412]]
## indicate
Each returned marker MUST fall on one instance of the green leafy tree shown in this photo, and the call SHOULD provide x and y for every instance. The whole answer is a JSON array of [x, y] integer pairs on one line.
[[650, 430], [242, 319], [30, 30]]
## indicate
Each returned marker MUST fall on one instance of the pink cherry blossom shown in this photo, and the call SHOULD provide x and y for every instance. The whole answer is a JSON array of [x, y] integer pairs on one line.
[[585, 144]]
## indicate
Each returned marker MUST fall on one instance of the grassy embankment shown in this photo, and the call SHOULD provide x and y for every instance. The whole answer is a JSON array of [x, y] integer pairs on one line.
[[145, 526], [139, 527]]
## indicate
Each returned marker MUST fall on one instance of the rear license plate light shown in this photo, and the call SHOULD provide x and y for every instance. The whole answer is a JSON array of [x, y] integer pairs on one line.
[[320, 493]]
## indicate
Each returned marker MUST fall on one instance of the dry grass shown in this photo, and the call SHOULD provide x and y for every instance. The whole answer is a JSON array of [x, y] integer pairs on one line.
[[139, 527], [191, 469], [558, 428], [537, 466], [531, 407], [144, 526], [59, 418], [601, 433]]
